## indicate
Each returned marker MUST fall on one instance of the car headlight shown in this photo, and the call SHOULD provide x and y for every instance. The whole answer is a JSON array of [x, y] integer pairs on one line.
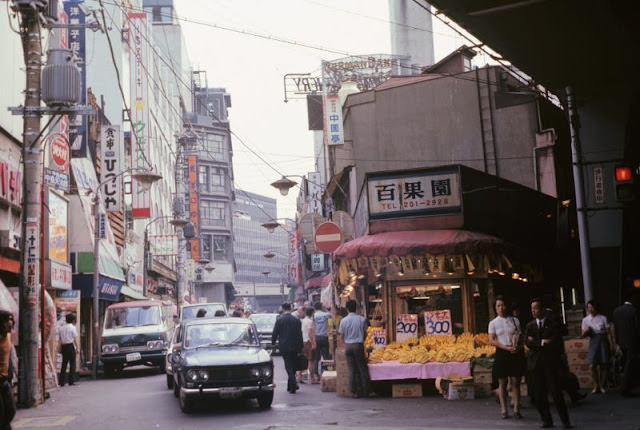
[[266, 372], [203, 375], [192, 375], [255, 372], [110, 348], [155, 344]]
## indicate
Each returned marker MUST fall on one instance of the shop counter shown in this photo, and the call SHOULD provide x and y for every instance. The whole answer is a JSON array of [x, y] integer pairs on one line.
[[393, 370]]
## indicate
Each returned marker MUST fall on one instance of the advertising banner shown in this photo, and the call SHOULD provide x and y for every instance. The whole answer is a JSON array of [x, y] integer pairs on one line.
[[193, 205], [315, 192], [58, 234], [111, 167], [56, 171], [77, 44], [139, 37], [164, 244], [334, 134]]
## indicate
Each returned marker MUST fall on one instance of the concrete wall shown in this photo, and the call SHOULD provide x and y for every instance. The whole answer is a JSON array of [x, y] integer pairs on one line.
[[433, 123]]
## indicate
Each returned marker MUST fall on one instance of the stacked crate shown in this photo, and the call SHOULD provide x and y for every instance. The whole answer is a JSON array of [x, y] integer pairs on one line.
[[574, 321], [577, 350], [482, 380], [342, 373]]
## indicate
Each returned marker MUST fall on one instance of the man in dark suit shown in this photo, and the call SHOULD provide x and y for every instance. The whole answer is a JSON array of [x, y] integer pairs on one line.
[[289, 330], [544, 339], [627, 328]]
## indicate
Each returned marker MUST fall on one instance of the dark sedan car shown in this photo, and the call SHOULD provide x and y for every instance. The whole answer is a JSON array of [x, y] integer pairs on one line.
[[264, 325], [221, 358]]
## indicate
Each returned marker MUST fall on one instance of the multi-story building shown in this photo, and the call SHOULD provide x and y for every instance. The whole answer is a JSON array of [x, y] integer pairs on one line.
[[262, 257], [209, 184]]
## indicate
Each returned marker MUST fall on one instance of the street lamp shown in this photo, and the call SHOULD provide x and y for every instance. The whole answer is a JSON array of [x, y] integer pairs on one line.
[[146, 179], [271, 225], [284, 184]]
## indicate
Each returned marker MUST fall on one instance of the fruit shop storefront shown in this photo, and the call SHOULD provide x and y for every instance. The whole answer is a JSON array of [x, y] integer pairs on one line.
[[426, 279]]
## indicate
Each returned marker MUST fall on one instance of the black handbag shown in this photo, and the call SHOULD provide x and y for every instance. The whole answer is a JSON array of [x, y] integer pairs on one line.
[[301, 362]]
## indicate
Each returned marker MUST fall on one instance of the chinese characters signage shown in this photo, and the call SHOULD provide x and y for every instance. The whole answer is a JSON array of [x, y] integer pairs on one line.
[[193, 205], [77, 44], [10, 184], [406, 326], [315, 193], [164, 245], [333, 120], [138, 105], [417, 193], [111, 149]]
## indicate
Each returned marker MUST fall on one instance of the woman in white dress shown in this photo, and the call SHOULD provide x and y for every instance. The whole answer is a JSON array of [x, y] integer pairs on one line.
[[596, 327], [504, 332]]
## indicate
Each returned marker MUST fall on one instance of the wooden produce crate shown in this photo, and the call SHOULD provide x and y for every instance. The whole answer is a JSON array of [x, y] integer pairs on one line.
[[576, 345], [406, 390], [328, 381]]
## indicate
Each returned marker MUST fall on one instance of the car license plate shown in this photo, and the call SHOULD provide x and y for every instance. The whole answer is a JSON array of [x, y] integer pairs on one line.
[[230, 393], [134, 356]]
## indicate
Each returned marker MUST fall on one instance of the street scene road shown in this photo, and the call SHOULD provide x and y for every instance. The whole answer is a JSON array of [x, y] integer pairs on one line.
[[140, 400]]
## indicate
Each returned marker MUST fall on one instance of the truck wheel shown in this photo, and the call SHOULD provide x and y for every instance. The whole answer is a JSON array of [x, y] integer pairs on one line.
[[265, 399]]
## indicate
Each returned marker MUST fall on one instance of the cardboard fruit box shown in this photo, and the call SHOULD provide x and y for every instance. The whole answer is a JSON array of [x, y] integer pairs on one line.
[[461, 391], [576, 345], [577, 358], [328, 381], [406, 390]]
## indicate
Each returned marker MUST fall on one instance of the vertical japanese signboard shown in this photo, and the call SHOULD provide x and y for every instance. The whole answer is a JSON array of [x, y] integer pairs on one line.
[[315, 193], [77, 124], [193, 205], [111, 151], [139, 107], [334, 134], [406, 326], [413, 194]]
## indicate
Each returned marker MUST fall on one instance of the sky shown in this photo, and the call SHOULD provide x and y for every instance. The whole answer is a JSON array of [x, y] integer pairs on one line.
[[293, 36]]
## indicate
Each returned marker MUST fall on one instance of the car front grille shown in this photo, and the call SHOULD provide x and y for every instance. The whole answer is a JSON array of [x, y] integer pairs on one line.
[[230, 376]]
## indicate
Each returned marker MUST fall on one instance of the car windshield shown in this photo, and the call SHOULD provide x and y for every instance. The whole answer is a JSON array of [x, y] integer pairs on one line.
[[220, 334], [189, 312], [132, 317], [264, 322]]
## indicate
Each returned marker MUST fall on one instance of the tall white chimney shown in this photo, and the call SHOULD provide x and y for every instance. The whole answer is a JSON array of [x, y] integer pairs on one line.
[[411, 33]]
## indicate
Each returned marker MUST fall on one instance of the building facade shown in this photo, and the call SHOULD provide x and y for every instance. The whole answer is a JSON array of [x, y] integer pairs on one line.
[[262, 257]]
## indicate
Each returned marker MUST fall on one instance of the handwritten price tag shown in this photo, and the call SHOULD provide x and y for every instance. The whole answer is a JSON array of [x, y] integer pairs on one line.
[[379, 338], [406, 326], [437, 322]]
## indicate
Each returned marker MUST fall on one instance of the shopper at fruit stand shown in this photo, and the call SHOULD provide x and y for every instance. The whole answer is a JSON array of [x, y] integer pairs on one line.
[[289, 331], [352, 329], [544, 340], [321, 319], [596, 327], [308, 339], [627, 328], [504, 332]]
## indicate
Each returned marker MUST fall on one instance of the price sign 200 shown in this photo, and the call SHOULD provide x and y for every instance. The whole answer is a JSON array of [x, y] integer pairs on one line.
[[406, 326]]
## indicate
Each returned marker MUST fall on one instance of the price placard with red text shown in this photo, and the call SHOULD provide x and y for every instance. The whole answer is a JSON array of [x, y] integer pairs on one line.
[[379, 338], [406, 326], [437, 322]]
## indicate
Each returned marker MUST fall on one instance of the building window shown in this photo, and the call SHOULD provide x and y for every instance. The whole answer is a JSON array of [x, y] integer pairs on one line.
[[205, 245], [203, 178], [213, 143], [217, 179], [220, 248], [212, 213], [160, 13]]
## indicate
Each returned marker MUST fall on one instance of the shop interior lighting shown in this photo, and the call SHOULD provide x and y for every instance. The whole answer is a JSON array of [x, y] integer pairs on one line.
[[362, 276], [425, 266], [448, 265], [471, 269], [379, 286], [401, 271], [455, 287], [421, 298], [515, 275]]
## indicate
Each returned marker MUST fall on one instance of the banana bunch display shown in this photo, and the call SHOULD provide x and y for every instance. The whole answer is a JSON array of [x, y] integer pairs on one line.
[[430, 348], [368, 342]]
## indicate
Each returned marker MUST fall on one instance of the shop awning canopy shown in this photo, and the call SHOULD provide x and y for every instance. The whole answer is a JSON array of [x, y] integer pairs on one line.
[[318, 282], [419, 242]]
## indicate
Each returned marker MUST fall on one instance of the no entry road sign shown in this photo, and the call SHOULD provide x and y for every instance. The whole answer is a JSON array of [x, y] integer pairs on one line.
[[328, 237]]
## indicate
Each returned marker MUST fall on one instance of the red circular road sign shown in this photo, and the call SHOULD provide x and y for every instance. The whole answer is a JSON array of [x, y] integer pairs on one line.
[[328, 237], [60, 152]]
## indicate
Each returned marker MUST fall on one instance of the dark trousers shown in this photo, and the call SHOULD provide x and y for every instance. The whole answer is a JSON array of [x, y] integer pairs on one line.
[[549, 379], [7, 405], [356, 362], [68, 356], [630, 362], [321, 352], [290, 360]]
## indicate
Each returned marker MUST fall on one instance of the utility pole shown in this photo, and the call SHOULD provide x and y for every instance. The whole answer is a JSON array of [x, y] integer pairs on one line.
[[29, 393], [179, 213]]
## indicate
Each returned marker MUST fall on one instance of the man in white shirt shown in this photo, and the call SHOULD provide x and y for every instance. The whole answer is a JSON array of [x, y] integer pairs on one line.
[[69, 347]]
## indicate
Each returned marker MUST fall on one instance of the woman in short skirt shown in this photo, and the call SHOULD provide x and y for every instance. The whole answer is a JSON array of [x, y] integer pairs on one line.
[[504, 332], [596, 327]]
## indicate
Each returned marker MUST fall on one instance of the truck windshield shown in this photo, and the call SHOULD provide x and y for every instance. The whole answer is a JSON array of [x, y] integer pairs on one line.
[[132, 317]]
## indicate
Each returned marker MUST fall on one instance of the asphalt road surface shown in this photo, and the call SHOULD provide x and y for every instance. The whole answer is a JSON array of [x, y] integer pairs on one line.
[[140, 400]]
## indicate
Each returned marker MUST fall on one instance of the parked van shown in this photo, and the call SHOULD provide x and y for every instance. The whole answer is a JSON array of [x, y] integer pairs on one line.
[[137, 333]]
